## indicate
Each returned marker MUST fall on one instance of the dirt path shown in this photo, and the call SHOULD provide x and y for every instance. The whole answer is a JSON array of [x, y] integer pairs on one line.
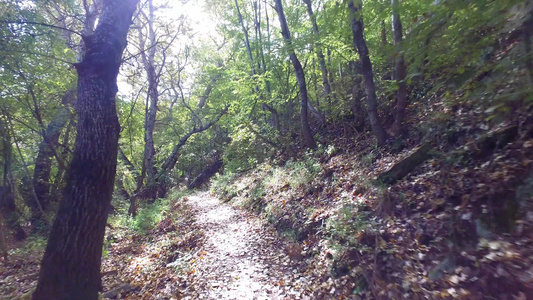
[[241, 258]]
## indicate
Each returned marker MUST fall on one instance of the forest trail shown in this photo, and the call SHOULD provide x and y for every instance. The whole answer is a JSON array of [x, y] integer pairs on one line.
[[240, 258]]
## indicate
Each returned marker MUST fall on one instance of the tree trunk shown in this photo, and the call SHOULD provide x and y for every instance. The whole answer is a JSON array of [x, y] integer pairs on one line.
[[132, 210], [274, 117], [526, 35], [307, 136], [70, 268], [357, 95], [206, 174], [7, 197], [246, 39], [172, 159], [3, 241], [368, 74], [320, 54], [401, 73], [148, 59], [43, 162], [57, 185]]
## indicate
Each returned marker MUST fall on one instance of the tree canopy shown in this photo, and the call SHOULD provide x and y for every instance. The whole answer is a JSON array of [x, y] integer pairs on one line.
[[229, 87]]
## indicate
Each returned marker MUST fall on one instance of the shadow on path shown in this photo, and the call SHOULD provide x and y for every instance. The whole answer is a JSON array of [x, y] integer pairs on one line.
[[241, 258]]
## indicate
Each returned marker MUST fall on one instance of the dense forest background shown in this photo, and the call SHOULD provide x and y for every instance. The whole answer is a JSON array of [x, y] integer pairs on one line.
[[397, 131]]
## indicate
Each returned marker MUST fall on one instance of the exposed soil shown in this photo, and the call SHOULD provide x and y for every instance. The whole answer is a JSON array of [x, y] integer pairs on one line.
[[241, 258]]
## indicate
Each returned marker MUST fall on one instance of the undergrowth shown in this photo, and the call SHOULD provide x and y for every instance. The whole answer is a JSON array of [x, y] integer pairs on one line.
[[148, 214]]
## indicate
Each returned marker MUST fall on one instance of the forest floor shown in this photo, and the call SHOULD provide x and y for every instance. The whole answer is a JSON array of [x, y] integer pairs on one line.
[[241, 258], [459, 226], [204, 249]]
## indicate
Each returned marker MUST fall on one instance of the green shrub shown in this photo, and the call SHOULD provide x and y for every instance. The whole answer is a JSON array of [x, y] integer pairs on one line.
[[221, 184], [302, 172], [149, 216]]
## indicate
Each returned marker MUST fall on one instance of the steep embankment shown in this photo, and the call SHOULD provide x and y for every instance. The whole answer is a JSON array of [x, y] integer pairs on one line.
[[458, 225]]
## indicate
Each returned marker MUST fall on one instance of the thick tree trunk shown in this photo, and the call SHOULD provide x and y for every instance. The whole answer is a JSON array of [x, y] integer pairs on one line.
[[368, 74], [70, 268], [320, 54], [307, 136], [401, 73]]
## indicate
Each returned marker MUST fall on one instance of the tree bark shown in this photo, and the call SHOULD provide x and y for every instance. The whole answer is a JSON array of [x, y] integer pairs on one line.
[[153, 98], [246, 39], [206, 174], [132, 210], [526, 36], [43, 162], [320, 54], [401, 73], [366, 68], [7, 197], [357, 95], [307, 136], [172, 159], [57, 185], [70, 268]]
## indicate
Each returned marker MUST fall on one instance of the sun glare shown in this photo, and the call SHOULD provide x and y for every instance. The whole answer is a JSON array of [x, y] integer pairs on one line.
[[202, 28]]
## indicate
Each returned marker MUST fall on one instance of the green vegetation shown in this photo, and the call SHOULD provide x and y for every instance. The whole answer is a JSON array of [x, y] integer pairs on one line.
[[385, 140]]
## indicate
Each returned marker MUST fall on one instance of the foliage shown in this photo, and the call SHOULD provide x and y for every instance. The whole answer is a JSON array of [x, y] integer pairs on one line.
[[469, 72]]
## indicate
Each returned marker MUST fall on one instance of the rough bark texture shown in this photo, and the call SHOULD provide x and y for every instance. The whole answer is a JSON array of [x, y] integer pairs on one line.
[[319, 53], [366, 68], [308, 139], [401, 73], [70, 268]]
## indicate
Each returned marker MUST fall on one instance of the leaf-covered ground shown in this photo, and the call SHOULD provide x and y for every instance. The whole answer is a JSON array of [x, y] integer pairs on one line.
[[204, 249], [460, 226], [241, 257]]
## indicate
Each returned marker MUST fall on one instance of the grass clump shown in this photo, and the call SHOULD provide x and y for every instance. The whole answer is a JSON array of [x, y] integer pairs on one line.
[[148, 214], [222, 185], [295, 173], [34, 244]]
